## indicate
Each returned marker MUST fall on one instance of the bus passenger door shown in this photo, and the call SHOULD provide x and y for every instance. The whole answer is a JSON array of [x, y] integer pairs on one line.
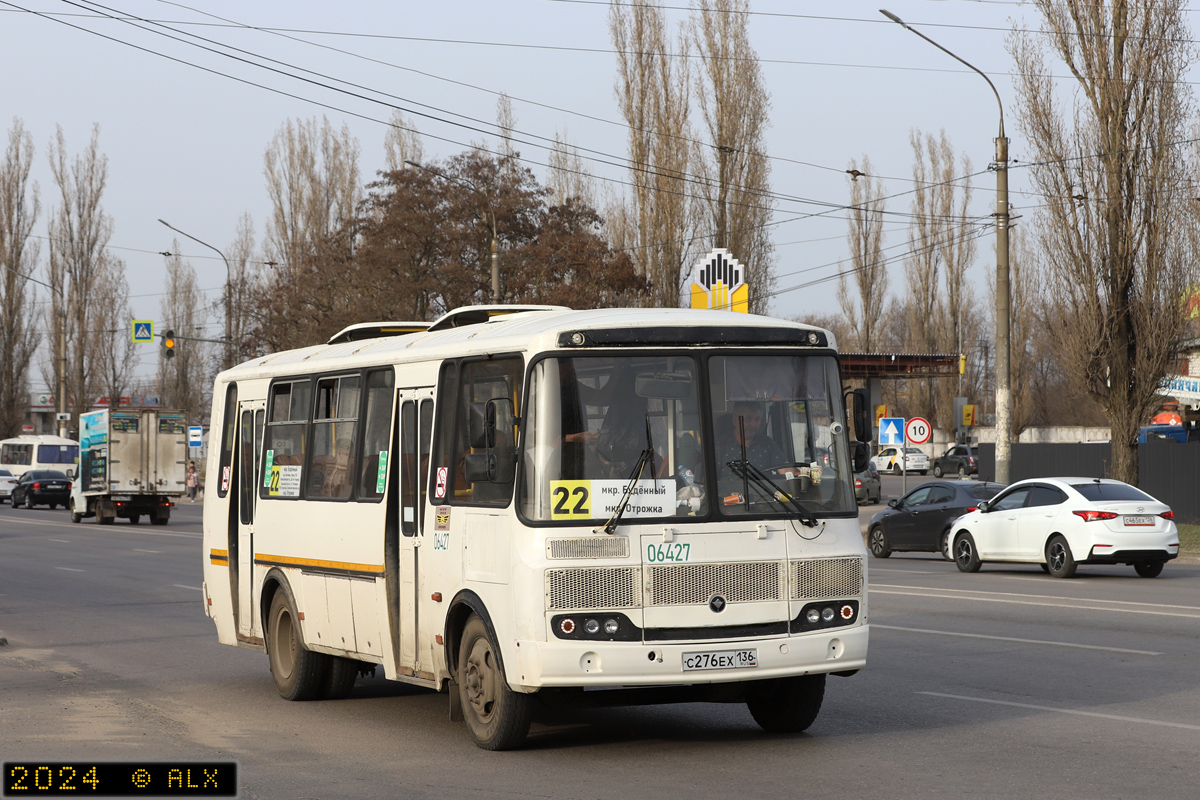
[[251, 417], [416, 431]]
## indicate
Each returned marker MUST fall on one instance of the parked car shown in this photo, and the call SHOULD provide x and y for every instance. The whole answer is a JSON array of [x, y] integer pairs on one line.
[[7, 482], [867, 486], [888, 460], [1060, 523], [41, 487], [922, 519], [960, 458]]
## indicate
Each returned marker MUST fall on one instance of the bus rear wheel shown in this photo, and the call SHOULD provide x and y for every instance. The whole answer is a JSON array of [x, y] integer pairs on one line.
[[496, 716], [786, 705], [299, 673]]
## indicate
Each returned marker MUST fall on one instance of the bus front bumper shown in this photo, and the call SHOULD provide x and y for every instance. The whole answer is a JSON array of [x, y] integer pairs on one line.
[[576, 663]]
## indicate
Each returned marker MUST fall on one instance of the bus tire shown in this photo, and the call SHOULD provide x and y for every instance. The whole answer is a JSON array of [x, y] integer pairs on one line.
[[339, 680], [497, 717], [786, 705], [298, 672]]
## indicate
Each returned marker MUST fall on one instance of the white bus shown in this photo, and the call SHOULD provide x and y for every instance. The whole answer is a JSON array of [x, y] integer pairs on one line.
[[517, 504], [23, 453]]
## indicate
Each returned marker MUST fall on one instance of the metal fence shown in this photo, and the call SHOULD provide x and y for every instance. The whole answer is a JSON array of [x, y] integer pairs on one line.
[[1169, 471]]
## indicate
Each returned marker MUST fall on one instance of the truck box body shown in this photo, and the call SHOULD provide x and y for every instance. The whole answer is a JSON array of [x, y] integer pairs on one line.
[[131, 462]]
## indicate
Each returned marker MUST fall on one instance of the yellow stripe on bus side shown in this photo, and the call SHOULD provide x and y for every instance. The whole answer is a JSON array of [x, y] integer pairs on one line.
[[219, 558], [264, 558]]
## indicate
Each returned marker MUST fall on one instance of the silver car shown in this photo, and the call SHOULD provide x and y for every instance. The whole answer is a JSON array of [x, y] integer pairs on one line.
[[7, 482]]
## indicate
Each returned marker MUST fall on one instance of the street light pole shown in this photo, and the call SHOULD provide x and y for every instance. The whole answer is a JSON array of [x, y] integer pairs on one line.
[[491, 215], [1003, 301], [227, 360]]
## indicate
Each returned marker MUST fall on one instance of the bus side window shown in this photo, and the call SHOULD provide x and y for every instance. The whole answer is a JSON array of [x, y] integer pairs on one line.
[[285, 439], [475, 382], [334, 447], [408, 468], [227, 441], [377, 420]]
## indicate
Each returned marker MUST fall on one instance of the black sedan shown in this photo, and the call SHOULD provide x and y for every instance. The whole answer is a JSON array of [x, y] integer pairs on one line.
[[42, 487], [921, 519]]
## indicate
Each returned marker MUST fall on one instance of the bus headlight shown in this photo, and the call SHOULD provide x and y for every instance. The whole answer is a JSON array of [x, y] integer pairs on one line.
[[611, 626]]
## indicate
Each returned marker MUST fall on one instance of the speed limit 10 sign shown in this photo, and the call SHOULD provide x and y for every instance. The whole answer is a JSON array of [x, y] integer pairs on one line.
[[918, 431]]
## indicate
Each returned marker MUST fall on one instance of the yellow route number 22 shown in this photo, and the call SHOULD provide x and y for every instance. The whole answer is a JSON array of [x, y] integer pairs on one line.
[[571, 499]]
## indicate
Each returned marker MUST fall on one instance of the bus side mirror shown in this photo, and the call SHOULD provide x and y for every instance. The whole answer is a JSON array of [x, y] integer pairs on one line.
[[481, 425], [862, 456], [856, 412], [490, 427]]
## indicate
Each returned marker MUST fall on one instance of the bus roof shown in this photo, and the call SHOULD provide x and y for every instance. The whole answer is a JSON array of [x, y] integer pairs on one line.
[[535, 329]]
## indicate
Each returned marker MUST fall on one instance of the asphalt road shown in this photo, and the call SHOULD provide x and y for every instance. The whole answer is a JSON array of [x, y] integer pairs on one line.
[[1005, 683]]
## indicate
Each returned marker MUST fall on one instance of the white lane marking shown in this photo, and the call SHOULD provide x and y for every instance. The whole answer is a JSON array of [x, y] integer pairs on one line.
[[1013, 639], [1040, 596], [905, 571], [140, 550], [64, 541], [1058, 606], [181, 586], [70, 569], [1117, 717]]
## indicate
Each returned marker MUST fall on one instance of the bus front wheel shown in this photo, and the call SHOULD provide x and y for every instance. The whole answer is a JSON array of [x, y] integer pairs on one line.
[[299, 673], [497, 717], [786, 705]]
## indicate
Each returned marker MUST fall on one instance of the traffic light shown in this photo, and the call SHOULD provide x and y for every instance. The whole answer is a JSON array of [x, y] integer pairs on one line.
[[168, 344]]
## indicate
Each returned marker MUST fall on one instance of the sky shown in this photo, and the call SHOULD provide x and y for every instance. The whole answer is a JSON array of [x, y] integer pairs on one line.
[[185, 129]]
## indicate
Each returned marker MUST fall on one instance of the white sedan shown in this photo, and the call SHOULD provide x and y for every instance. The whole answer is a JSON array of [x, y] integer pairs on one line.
[[7, 482], [888, 460], [1060, 523]]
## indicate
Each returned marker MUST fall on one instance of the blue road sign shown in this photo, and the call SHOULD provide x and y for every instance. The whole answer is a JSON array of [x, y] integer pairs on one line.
[[195, 436], [891, 431], [143, 331]]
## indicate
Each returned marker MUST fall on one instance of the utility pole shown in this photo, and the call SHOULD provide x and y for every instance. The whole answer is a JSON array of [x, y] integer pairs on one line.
[[1003, 301]]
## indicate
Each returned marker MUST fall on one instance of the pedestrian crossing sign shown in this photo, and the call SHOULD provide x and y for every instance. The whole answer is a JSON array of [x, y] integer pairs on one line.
[[143, 331]]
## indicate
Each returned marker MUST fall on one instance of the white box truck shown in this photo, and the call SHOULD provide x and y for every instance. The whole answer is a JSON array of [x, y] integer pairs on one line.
[[132, 463]]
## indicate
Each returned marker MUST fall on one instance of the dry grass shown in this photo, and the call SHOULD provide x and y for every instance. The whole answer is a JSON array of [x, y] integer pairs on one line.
[[1189, 540]]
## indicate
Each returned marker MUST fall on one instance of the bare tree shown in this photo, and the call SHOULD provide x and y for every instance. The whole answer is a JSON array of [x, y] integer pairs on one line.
[[942, 248], [733, 168], [653, 94], [183, 380], [79, 232], [114, 355], [19, 206], [1114, 229], [245, 286], [401, 143], [313, 183], [868, 267], [568, 176]]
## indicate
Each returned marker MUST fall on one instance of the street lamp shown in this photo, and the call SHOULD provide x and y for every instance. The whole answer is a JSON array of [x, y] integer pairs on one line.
[[1003, 389], [227, 361], [491, 213]]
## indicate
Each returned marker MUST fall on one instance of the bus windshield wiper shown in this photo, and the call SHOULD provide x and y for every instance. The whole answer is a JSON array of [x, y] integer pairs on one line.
[[645, 458], [751, 474]]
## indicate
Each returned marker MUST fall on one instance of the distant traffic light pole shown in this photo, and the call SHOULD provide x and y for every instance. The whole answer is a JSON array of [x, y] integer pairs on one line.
[[1003, 301], [491, 213], [227, 360]]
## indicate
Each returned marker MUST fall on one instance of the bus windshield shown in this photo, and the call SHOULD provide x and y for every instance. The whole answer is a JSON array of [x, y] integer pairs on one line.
[[599, 425]]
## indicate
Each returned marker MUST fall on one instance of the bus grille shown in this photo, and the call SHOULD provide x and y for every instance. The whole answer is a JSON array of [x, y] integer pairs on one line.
[[695, 584], [593, 587], [825, 578], [594, 547]]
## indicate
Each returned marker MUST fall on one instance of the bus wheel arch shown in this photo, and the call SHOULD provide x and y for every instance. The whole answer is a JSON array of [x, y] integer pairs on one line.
[[464, 604]]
